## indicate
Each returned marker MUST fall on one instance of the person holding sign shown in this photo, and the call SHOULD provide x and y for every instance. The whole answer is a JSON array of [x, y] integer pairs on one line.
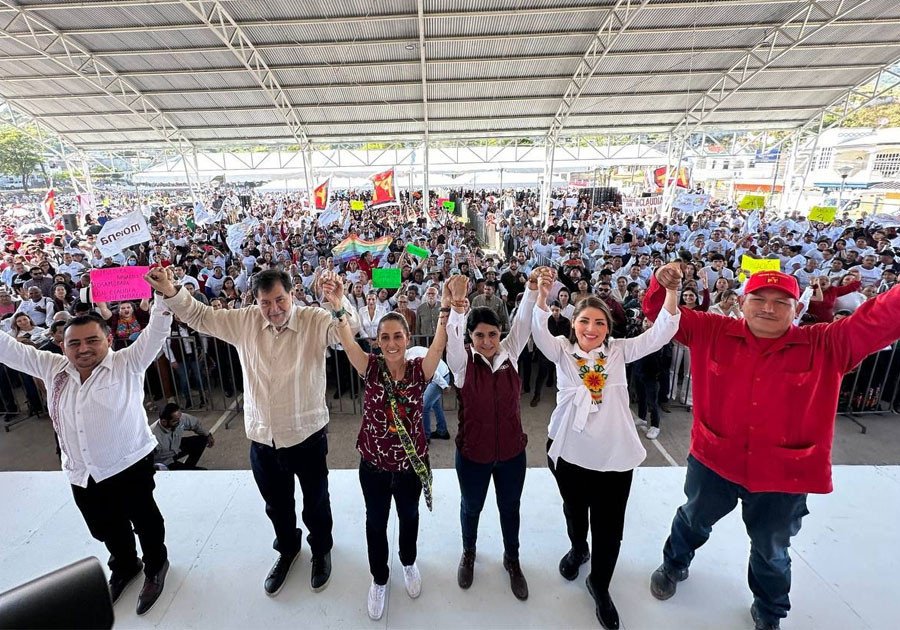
[[281, 347], [490, 442], [593, 446], [95, 397], [391, 443], [765, 397]]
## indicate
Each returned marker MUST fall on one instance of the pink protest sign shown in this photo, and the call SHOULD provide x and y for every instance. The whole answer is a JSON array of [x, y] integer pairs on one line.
[[119, 283]]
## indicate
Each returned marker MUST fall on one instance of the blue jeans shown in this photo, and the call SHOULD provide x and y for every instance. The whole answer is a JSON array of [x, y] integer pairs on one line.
[[771, 519], [474, 479], [433, 402]]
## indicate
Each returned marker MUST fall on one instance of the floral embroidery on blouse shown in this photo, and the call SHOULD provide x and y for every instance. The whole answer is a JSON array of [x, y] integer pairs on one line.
[[593, 376]]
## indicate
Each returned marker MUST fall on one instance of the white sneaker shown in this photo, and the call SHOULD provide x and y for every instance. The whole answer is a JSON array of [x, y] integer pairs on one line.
[[377, 595], [639, 422], [413, 580], [652, 433]]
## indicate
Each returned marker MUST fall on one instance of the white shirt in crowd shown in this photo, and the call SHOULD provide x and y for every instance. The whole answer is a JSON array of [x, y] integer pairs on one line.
[[597, 436], [101, 423]]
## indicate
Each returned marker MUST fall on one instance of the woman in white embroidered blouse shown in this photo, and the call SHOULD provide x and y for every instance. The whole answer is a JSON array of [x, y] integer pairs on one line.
[[594, 446]]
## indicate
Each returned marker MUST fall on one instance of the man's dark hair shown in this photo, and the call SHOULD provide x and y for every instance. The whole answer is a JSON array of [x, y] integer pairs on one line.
[[168, 410], [89, 318], [715, 257], [56, 326], [268, 280]]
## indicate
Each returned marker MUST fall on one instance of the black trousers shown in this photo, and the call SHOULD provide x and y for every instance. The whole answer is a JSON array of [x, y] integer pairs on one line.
[[378, 487], [112, 507], [274, 470], [545, 374], [596, 499], [192, 447]]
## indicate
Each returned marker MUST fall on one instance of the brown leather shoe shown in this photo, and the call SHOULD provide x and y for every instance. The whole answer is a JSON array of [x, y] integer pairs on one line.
[[517, 582], [152, 589], [466, 572]]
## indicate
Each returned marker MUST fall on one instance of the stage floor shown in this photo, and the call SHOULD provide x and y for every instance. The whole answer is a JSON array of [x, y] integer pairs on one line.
[[219, 542]]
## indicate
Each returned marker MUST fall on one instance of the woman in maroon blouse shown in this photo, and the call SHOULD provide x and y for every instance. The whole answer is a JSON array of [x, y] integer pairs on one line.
[[391, 442], [821, 305]]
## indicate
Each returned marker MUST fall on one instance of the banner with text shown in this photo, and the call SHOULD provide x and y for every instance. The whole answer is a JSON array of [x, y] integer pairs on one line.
[[115, 284], [642, 205], [117, 234]]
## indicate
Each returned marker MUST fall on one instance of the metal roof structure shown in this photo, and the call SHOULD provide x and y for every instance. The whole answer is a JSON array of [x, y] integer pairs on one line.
[[199, 74]]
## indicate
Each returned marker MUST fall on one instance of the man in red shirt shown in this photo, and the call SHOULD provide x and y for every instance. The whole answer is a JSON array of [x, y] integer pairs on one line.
[[765, 397]]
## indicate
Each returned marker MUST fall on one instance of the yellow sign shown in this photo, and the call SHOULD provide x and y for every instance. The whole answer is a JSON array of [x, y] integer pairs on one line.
[[752, 265], [823, 214], [357, 204], [752, 202]]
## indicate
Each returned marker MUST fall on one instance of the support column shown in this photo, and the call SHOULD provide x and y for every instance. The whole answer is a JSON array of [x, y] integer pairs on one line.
[[309, 176], [547, 184], [426, 190]]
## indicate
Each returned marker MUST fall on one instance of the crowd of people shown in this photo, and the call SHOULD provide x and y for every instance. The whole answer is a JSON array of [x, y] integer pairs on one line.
[[566, 300]]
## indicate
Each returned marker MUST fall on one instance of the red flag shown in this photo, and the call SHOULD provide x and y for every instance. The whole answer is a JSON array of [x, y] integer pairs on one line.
[[682, 181], [383, 183], [320, 195], [50, 204]]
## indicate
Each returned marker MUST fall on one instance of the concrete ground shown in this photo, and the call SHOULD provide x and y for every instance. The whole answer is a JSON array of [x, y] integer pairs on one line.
[[30, 446]]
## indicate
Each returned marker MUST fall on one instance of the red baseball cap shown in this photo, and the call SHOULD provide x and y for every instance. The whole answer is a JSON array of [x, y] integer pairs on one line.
[[773, 280]]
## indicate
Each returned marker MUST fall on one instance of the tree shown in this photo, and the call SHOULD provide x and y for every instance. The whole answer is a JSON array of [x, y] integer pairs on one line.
[[19, 154]]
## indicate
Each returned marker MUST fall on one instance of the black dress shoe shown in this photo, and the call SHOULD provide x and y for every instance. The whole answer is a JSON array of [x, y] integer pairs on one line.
[[440, 435], [568, 566], [152, 589], [278, 574], [607, 614], [760, 623], [120, 581], [321, 572], [517, 582], [663, 583], [465, 574]]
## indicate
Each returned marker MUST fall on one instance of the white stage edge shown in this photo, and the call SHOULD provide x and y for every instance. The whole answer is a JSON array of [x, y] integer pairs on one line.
[[219, 542]]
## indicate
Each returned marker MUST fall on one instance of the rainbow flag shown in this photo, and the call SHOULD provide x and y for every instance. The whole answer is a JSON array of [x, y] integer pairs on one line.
[[354, 247]]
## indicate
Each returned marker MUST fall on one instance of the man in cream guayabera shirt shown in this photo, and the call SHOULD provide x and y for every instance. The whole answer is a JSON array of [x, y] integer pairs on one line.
[[282, 351]]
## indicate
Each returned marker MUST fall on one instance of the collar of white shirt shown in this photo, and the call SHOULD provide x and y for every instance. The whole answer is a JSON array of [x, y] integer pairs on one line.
[[499, 358], [576, 349]]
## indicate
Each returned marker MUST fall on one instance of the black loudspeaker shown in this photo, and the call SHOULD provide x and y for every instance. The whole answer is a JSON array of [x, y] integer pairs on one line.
[[601, 194], [75, 596], [70, 222]]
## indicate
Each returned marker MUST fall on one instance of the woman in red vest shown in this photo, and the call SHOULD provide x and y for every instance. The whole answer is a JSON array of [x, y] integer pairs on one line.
[[593, 446], [490, 442]]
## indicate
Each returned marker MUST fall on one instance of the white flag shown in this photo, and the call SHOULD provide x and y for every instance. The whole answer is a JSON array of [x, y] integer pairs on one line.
[[237, 233], [201, 215], [117, 234], [330, 215], [279, 212]]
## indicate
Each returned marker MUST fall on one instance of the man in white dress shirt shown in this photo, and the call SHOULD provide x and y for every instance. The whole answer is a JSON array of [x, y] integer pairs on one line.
[[95, 397]]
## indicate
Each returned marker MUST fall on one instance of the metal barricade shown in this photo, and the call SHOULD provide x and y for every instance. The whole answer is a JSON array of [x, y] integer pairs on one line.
[[873, 387], [21, 397]]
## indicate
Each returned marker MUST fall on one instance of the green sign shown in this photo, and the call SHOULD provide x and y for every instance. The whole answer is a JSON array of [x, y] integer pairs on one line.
[[449, 206], [386, 278], [419, 252]]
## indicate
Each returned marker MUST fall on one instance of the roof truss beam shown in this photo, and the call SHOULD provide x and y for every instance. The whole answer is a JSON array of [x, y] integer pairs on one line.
[[217, 19], [45, 39], [370, 18], [281, 46], [178, 111], [617, 20], [802, 25]]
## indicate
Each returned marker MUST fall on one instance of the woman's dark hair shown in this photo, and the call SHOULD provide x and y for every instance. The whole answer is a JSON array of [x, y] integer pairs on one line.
[[393, 316], [591, 301], [268, 280], [686, 290], [481, 315], [724, 295]]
